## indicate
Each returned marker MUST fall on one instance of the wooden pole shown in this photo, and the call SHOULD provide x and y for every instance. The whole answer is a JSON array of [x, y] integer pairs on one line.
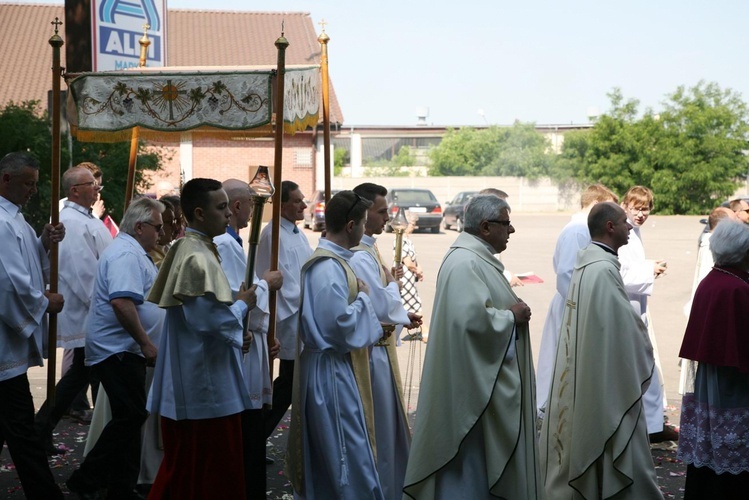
[[56, 42], [133, 159], [324, 39], [131, 165], [281, 45]]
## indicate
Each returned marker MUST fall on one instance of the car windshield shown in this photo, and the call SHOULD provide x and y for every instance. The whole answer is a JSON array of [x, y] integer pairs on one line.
[[404, 197]]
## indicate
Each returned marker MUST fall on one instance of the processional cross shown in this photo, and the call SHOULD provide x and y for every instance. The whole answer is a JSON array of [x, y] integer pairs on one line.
[[57, 23]]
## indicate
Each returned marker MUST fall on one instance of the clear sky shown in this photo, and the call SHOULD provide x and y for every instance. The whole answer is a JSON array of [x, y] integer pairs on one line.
[[543, 61]]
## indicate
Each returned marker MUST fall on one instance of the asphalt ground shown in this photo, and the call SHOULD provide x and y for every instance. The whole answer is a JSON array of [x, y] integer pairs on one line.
[[530, 250]]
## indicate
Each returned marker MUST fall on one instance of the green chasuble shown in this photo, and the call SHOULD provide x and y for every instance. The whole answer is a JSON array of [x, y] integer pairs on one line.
[[478, 380], [594, 439]]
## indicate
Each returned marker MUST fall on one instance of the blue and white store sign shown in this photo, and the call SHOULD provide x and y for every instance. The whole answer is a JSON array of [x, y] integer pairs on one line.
[[117, 27]]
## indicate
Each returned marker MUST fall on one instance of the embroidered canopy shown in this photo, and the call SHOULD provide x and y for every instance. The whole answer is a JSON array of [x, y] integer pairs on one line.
[[106, 106]]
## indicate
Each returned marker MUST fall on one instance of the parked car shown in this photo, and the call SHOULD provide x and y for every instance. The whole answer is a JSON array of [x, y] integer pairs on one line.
[[419, 202], [454, 210], [314, 214]]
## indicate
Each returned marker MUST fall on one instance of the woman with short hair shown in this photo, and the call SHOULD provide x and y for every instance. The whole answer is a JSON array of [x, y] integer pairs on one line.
[[714, 437]]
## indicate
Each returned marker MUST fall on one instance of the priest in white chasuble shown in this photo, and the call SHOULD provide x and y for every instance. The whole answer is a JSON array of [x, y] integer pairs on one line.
[[475, 421], [594, 439]]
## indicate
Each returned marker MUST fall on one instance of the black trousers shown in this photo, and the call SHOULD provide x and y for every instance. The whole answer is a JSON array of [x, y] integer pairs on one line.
[[68, 388], [253, 443], [114, 462], [282, 387], [17, 429]]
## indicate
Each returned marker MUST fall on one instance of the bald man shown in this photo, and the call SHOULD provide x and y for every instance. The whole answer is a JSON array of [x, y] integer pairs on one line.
[[87, 238], [255, 363]]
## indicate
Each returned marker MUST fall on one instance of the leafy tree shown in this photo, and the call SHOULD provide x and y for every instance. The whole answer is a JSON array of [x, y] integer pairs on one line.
[[113, 159], [340, 158], [392, 167], [26, 128], [691, 154], [522, 152], [512, 151], [701, 152]]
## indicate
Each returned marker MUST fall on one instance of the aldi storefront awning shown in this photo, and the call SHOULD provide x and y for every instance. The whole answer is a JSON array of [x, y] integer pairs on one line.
[[107, 106]]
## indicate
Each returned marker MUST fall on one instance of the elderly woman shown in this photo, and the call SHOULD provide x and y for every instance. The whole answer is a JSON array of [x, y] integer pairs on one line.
[[714, 440]]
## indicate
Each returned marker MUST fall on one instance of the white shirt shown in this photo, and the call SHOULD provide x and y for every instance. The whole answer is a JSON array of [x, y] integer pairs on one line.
[[86, 238], [256, 363], [386, 300], [637, 272], [293, 252], [198, 373], [23, 267]]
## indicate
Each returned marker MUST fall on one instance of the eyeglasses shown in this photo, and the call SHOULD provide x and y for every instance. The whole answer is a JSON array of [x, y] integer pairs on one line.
[[505, 223], [642, 210], [157, 227], [90, 183], [356, 202]]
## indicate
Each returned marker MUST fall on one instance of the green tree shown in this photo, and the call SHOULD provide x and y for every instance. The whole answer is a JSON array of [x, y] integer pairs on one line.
[[393, 167], [340, 158], [464, 151], [26, 128], [700, 156], [113, 159], [512, 151], [691, 154], [522, 152]]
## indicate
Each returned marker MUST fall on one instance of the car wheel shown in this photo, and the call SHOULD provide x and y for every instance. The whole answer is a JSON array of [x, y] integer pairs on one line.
[[306, 224], [316, 227], [436, 229], [445, 225], [459, 224]]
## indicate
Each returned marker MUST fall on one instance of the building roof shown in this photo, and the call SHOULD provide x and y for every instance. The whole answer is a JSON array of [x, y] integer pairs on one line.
[[195, 38]]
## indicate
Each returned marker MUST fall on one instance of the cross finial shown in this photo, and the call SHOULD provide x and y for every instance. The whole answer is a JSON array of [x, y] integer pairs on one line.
[[57, 23], [322, 23], [146, 27], [283, 21]]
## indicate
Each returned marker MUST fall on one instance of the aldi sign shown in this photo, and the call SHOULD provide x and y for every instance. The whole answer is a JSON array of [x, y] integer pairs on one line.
[[117, 25]]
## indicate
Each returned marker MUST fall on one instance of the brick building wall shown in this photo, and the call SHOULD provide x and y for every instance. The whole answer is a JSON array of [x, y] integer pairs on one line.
[[222, 159]]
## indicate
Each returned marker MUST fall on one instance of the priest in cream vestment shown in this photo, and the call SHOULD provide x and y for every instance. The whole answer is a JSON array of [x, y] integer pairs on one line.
[[475, 422], [594, 439]]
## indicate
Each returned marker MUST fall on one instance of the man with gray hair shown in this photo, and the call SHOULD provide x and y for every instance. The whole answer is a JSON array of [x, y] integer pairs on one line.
[[475, 426], [23, 321], [122, 331], [87, 238]]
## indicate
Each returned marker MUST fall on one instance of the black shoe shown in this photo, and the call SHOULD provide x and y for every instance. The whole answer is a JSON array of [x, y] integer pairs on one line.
[[81, 416], [669, 433], [269, 461], [78, 485]]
